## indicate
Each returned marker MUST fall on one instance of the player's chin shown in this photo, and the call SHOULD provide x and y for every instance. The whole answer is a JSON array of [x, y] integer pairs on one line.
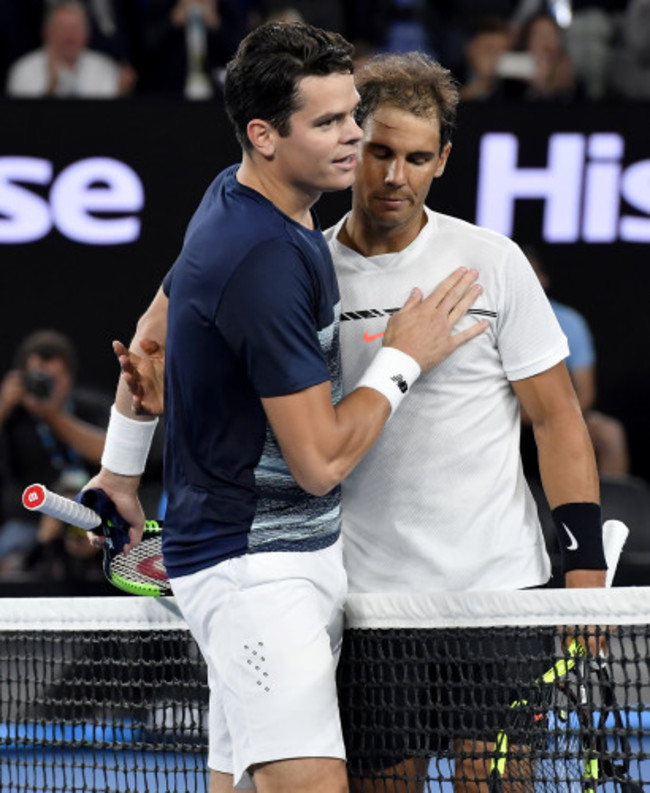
[[338, 180]]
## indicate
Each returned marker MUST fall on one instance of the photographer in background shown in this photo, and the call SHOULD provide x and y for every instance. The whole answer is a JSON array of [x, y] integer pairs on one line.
[[47, 428]]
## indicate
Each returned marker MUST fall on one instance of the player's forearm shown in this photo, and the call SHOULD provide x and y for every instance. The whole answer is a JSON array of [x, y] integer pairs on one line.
[[151, 331], [320, 443], [566, 460]]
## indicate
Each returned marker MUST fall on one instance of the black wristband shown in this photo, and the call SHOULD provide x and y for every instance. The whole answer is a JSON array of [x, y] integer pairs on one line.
[[580, 536]]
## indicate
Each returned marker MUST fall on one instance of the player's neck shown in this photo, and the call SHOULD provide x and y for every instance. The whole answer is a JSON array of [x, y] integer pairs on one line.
[[289, 199], [370, 238]]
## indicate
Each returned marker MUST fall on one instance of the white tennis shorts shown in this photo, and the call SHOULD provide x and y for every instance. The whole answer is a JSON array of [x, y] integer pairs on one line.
[[269, 626]]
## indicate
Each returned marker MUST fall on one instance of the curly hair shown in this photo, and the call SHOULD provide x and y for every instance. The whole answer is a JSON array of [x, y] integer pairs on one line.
[[413, 82]]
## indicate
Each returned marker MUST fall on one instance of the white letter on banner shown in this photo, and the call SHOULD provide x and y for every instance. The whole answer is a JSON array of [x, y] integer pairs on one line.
[[602, 193], [501, 183], [24, 217], [97, 184], [635, 188]]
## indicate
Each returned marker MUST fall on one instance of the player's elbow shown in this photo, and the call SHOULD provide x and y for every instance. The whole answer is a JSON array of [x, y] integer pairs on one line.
[[317, 479]]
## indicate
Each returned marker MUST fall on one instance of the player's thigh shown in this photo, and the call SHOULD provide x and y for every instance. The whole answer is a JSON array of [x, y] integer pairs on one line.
[[224, 783], [301, 775], [408, 776], [273, 643]]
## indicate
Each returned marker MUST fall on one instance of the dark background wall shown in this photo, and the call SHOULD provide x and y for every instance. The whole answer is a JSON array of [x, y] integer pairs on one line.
[[95, 292]]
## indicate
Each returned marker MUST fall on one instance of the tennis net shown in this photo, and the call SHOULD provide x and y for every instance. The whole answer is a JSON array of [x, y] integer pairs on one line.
[[109, 694]]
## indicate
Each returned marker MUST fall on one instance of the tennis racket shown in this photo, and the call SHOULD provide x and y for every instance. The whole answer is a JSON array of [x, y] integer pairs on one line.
[[565, 749], [141, 571]]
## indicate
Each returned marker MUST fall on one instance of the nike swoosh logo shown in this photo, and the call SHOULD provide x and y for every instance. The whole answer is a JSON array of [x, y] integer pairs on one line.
[[573, 544], [368, 337]]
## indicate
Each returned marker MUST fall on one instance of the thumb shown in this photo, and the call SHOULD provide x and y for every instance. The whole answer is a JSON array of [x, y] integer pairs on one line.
[[149, 346]]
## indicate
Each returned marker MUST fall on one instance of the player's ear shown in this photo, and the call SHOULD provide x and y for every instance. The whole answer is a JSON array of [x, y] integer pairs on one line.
[[442, 162], [262, 136]]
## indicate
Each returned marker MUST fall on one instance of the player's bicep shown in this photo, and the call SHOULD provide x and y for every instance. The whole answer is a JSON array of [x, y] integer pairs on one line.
[[301, 423], [322, 443]]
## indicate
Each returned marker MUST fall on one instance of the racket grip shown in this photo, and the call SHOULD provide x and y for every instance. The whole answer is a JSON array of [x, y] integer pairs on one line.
[[615, 534], [38, 498]]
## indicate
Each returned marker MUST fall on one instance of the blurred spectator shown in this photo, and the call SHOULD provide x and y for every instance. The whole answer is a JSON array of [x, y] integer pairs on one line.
[[185, 38], [408, 28], [392, 25], [550, 73], [329, 15], [488, 42], [607, 433], [288, 16], [114, 31], [589, 41], [47, 429], [631, 69], [452, 24], [64, 66], [590, 28]]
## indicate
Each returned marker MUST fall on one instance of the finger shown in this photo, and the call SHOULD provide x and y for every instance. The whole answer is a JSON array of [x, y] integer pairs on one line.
[[413, 299], [132, 380], [119, 348], [135, 536], [469, 333], [464, 302], [457, 290], [449, 284]]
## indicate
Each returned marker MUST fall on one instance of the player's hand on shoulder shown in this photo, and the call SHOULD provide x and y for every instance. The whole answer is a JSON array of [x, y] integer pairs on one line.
[[422, 328], [143, 375]]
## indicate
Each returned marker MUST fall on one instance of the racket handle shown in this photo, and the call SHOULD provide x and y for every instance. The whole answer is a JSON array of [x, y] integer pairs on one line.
[[615, 534], [38, 498]]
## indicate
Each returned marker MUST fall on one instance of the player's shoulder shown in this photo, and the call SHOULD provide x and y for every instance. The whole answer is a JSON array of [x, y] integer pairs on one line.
[[492, 245]]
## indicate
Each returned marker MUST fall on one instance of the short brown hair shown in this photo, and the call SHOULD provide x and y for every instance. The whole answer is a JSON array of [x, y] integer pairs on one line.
[[413, 82], [262, 79]]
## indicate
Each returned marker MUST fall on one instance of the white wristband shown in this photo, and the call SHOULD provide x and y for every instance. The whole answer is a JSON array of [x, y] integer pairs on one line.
[[392, 373], [127, 444]]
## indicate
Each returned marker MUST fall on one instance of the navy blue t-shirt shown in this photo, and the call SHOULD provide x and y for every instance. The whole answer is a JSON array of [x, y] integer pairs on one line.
[[253, 312]]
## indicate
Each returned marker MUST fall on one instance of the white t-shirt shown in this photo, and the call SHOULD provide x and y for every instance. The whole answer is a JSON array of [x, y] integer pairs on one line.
[[440, 502], [95, 76]]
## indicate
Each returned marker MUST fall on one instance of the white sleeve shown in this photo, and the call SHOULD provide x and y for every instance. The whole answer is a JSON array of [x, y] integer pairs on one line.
[[530, 339]]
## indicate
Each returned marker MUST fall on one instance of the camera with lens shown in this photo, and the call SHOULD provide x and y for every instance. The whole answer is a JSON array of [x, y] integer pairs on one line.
[[39, 384]]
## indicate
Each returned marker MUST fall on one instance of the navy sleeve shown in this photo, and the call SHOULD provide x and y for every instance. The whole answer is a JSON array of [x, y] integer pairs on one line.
[[268, 316]]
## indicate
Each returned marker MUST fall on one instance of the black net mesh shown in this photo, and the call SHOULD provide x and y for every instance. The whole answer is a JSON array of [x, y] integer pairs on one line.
[[506, 708]]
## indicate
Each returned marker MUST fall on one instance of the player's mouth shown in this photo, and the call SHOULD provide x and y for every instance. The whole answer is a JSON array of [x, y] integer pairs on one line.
[[391, 201], [346, 163]]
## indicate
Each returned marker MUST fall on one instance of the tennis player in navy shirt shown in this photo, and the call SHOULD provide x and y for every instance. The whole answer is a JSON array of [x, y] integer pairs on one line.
[[257, 435]]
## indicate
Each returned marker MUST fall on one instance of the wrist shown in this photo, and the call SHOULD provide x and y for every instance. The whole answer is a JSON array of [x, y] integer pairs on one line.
[[392, 373], [127, 445], [580, 535]]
